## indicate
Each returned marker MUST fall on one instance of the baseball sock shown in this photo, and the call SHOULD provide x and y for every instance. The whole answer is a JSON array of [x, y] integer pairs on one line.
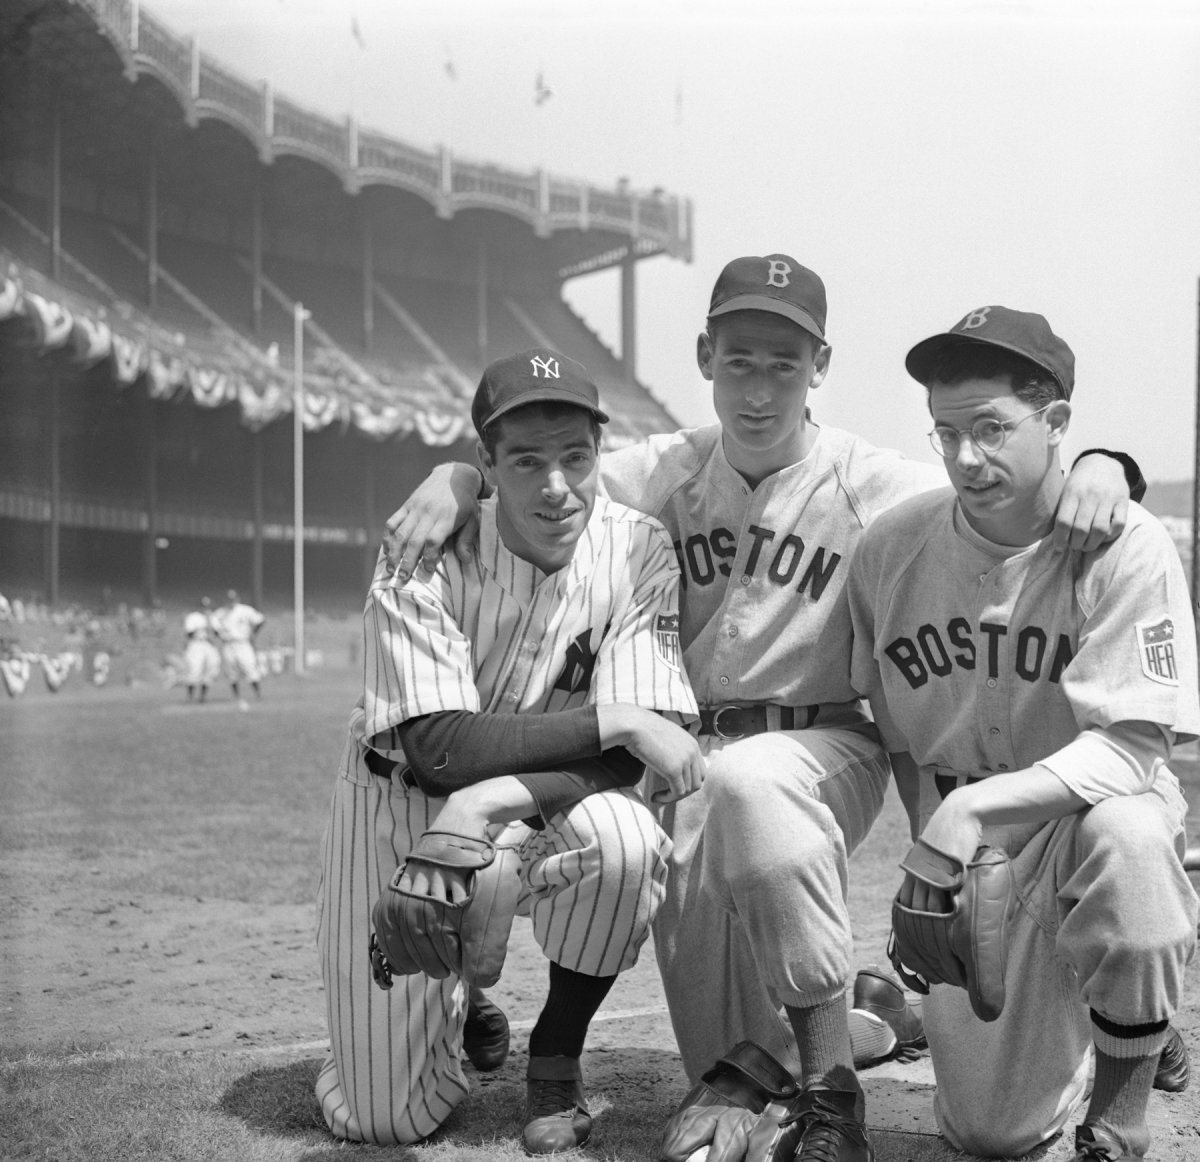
[[823, 1039], [1126, 1060], [574, 998]]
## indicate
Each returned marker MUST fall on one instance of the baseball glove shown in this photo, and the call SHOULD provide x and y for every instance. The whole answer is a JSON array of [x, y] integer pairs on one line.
[[737, 1110], [414, 933], [966, 946]]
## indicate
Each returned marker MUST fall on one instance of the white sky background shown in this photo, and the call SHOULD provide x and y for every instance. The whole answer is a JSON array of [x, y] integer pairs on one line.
[[923, 158]]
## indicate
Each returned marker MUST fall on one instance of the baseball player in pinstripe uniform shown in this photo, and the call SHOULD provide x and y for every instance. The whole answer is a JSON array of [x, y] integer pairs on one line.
[[754, 938], [201, 658], [550, 651], [1032, 698]]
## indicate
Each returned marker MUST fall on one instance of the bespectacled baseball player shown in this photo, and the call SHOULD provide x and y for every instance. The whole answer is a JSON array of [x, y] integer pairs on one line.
[[754, 938], [1039, 693], [550, 651]]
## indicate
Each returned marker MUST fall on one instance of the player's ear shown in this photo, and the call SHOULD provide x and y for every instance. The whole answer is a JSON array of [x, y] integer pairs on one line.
[[821, 357], [704, 354], [486, 466], [1058, 420]]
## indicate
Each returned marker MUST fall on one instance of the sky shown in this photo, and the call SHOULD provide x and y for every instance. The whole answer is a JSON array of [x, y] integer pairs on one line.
[[924, 158]]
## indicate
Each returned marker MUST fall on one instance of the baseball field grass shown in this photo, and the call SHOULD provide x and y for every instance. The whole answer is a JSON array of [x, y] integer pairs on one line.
[[159, 990]]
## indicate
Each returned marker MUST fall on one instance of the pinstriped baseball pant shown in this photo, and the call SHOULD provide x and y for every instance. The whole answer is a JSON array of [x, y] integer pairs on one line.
[[592, 881], [755, 915]]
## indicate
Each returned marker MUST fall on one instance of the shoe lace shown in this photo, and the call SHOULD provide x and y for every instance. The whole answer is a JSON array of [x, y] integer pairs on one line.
[[552, 1097], [823, 1134]]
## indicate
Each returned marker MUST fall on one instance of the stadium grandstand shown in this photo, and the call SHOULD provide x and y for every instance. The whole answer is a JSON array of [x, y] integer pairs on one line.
[[161, 217]]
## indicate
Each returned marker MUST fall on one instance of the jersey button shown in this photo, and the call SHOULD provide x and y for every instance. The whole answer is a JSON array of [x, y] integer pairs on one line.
[[992, 683], [994, 730], [1003, 766], [745, 578], [733, 631], [724, 680], [511, 697]]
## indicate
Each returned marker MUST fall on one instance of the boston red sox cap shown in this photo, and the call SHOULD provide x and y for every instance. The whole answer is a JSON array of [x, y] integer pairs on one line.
[[538, 375], [775, 283], [1021, 332]]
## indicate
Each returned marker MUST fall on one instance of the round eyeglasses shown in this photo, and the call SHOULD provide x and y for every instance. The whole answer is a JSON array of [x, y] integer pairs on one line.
[[987, 435]]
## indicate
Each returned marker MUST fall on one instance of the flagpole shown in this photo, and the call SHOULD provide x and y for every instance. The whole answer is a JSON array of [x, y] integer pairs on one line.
[[299, 314]]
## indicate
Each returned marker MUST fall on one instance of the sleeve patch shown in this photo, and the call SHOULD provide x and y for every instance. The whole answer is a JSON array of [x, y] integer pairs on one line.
[[1156, 650], [666, 639]]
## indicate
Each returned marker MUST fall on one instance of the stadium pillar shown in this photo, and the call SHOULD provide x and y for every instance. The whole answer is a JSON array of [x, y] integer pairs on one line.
[[482, 335], [256, 241], [56, 198], [152, 229], [150, 546], [52, 540], [256, 544], [299, 314], [368, 260], [629, 314]]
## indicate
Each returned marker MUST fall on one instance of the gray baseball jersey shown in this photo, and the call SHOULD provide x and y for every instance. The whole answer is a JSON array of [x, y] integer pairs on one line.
[[979, 662], [763, 568]]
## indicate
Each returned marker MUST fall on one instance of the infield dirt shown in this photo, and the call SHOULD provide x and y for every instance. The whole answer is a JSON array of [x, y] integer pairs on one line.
[[159, 866]]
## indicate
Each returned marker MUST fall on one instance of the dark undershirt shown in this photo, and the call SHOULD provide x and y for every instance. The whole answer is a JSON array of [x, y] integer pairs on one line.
[[557, 757]]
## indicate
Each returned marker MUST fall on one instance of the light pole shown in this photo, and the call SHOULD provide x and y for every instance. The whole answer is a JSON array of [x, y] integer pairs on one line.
[[299, 314]]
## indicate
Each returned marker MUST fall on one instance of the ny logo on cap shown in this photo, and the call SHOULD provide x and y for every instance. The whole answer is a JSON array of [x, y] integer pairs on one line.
[[975, 319], [777, 272], [548, 367]]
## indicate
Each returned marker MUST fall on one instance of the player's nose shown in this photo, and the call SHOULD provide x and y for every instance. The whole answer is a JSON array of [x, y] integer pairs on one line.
[[556, 485], [968, 458]]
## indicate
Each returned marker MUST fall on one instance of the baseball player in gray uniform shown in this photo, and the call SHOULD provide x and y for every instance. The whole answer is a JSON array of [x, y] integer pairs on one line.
[[1036, 695], [754, 939], [551, 651]]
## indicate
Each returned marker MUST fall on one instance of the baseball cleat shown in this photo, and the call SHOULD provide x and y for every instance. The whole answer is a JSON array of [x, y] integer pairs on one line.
[[485, 1033], [1174, 1068], [829, 1129], [1093, 1143], [556, 1113], [882, 1021]]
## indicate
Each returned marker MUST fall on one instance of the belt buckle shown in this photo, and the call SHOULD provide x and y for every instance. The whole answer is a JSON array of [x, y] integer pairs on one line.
[[716, 720]]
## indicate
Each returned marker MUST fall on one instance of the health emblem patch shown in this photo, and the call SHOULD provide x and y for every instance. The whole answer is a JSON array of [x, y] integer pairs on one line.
[[666, 638], [1156, 648]]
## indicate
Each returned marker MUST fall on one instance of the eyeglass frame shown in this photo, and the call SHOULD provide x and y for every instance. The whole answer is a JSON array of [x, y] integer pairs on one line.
[[1006, 427]]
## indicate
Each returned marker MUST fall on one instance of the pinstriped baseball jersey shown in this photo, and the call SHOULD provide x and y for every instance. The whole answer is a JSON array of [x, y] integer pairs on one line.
[[989, 662], [499, 636], [763, 568]]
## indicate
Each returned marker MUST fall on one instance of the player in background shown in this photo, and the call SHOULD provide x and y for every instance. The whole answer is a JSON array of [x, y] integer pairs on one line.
[[765, 509], [1036, 694], [201, 658], [550, 651], [237, 624]]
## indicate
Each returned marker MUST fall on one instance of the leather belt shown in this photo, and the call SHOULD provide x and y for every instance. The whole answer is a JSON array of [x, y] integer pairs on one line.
[[387, 768], [731, 721], [947, 783]]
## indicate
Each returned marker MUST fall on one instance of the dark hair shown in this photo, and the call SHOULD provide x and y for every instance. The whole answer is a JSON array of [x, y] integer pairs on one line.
[[711, 325], [1032, 384], [547, 409]]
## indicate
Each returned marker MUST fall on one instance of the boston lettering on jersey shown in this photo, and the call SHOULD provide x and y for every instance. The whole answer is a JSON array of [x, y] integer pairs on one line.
[[702, 557], [933, 653]]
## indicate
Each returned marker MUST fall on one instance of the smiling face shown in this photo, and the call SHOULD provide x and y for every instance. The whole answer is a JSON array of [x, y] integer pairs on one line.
[[544, 469], [762, 367], [1007, 496]]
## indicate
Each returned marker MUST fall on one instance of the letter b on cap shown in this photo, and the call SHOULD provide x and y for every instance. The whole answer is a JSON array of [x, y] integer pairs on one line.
[[777, 272], [975, 319]]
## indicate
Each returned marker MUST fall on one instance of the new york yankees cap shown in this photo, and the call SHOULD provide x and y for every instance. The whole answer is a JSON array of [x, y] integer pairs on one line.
[[538, 375], [775, 283], [1021, 332]]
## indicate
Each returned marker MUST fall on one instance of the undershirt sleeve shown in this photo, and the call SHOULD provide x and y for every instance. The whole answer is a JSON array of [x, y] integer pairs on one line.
[[557, 757], [1122, 759]]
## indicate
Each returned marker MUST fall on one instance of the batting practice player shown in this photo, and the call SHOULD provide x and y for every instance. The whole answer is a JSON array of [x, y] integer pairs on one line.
[[237, 623], [520, 685], [754, 939], [1039, 693], [201, 658]]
